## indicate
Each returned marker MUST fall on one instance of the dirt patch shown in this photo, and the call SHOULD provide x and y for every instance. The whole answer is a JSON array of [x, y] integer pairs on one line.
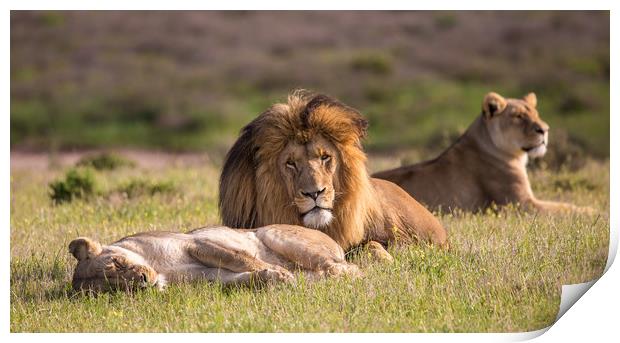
[[148, 159]]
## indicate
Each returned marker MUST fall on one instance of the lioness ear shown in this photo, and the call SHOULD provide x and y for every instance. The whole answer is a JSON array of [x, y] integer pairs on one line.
[[530, 98], [83, 248], [493, 104]]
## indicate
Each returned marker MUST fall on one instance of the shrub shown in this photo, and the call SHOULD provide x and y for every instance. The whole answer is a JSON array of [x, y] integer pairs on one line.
[[445, 21], [105, 161], [375, 63], [140, 187], [77, 183]]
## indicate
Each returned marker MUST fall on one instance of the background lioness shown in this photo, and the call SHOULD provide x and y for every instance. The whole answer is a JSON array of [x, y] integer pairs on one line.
[[486, 164], [230, 256]]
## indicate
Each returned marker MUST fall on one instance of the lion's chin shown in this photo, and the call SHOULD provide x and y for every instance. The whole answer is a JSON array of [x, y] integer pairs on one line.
[[318, 218], [537, 152]]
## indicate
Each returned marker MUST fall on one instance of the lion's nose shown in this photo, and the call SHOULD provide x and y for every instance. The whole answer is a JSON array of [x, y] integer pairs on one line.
[[313, 195], [539, 129]]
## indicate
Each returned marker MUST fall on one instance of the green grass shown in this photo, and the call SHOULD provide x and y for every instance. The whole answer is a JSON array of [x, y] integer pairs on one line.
[[503, 272], [421, 112]]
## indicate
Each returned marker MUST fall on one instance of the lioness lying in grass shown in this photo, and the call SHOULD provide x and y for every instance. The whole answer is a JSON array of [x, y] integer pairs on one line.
[[153, 259]]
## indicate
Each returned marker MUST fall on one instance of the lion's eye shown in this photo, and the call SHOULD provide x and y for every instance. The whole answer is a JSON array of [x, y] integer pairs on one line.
[[325, 157], [290, 164]]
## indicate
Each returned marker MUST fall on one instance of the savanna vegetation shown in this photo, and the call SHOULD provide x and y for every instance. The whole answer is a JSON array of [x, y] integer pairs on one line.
[[191, 80], [503, 272], [165, 94]]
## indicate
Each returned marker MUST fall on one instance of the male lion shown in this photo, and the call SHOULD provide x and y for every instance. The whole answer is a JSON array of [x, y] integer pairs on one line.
[[486, 164], [230, 256], [302, 163]]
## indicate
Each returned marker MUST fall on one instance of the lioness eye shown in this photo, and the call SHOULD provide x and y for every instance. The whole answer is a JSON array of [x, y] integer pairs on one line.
[[118, 264], [325, 158], [290, 164]]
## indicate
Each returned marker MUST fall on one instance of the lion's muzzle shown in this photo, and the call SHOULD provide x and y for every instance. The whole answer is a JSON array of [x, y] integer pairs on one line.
[[317, 218], [315, 208]]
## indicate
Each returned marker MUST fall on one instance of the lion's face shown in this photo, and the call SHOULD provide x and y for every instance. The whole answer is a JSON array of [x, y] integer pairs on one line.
[[302, 163], [309, 170], [515, 126], [108, 268]]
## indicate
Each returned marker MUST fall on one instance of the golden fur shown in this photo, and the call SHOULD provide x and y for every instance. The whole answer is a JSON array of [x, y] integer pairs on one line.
[[154, 259], [302, 163], [486, 165]]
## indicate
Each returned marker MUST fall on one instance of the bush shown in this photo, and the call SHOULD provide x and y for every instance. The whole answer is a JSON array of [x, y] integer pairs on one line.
[[140, 187], [105, 161], [78, 183], [445, 21], [374, 63]]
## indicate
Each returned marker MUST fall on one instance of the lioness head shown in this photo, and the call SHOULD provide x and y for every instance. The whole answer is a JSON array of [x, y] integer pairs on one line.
[[108, 268], [514, 125]]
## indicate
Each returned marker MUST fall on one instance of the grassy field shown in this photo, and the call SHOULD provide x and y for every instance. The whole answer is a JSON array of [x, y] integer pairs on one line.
[[187, 81], [503, 272]]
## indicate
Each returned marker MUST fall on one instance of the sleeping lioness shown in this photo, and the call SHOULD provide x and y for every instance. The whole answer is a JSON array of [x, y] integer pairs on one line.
[[154, 259], [486, 164]]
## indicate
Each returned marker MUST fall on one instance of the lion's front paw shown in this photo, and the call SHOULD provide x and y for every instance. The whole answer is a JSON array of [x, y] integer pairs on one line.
[[377, 251]]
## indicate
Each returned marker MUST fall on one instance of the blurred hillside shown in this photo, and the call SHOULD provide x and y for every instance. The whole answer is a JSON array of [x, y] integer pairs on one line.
[[191, 80]]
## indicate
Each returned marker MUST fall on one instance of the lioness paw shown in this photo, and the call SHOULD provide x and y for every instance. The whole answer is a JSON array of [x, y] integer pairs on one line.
[[339, 269], [275, 275], [587, 210]]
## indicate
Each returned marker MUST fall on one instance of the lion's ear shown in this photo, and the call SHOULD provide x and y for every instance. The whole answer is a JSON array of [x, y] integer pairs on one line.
[[493, 104], [362, 126], [83, 248], [331, 105], [530, 98]]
